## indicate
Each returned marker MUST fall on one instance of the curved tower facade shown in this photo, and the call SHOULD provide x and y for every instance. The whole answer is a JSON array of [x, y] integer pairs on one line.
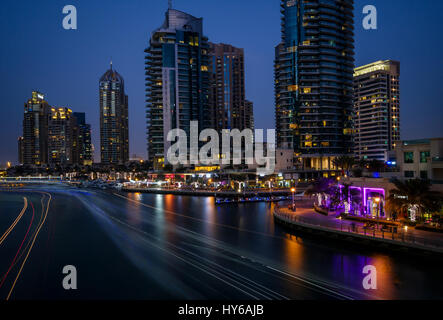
[[114, 132], [314, 81], [177, 81]]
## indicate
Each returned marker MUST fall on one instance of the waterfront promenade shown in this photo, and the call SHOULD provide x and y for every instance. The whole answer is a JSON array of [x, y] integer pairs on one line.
[[211, 193], [306, 218]]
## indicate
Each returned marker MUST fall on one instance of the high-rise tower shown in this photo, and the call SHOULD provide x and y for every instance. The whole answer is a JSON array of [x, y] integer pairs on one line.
[[377, 109], [83, 144], [61, 128], [114, 133], [313, 81], [35, 130], [229, 108], [177, 81]]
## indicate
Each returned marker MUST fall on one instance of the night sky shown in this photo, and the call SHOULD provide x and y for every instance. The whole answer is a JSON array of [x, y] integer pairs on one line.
[[38, 54]]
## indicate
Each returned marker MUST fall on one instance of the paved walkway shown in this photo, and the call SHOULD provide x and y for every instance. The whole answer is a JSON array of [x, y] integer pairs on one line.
[[306, 214]]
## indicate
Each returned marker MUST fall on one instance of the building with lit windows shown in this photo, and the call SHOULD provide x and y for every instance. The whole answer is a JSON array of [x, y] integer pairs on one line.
[[114, 131], [229, 108], [376, 109], [177, 81], [314, 65], [421, 159], [82, 140], [34, 143], [61, 128], [249, 115], [21, 150]]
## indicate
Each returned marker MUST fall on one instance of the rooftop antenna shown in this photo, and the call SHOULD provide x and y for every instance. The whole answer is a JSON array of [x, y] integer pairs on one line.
[[169, 4], [111, 63]]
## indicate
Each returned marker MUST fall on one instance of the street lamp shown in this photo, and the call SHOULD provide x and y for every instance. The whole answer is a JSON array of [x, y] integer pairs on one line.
[[293, 198], [377, 200]]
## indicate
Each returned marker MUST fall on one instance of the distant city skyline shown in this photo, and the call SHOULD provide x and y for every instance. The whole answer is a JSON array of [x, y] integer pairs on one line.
[[66, 65]]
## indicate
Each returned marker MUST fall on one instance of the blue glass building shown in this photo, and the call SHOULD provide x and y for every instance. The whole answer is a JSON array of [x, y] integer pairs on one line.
[[177, 81], [314, 82]]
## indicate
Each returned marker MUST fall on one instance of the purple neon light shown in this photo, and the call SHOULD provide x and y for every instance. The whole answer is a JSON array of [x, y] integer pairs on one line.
[[379, 190], [365, 190]]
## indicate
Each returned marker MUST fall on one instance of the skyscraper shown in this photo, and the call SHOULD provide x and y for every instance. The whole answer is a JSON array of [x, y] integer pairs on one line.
[[83, 145], [21, 150], [248, 115], [377, 109], [114, 133], [313, 81], [61, 137], [229, 108], [35, 130], [177, 81]]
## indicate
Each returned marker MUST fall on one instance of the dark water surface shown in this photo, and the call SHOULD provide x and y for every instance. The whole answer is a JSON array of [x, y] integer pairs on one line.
[[147, 246]]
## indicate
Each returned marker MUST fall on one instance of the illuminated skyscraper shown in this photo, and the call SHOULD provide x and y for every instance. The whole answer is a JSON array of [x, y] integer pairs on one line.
[[377, 109], [314, 81], [177, 81], [114, 133], [61, 126], [82, 140], [35, 130], [21, 150], [229, 108], [248, 115]]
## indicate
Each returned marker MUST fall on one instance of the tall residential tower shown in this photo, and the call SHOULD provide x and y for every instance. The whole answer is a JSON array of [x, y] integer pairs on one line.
[[177, 81], [377, 109], [229, 108], [314, 66], [114, 132], [61, 142], [34, 144], [83, 147]]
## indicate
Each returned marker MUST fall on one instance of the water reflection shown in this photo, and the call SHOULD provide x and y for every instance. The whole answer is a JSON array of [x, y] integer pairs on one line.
[[250, 230]]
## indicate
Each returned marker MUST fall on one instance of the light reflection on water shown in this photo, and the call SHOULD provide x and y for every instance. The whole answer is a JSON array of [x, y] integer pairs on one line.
[[211, 231], [316, 258]]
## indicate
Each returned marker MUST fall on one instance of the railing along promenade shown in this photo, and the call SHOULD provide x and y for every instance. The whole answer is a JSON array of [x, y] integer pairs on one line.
[[350, 229]]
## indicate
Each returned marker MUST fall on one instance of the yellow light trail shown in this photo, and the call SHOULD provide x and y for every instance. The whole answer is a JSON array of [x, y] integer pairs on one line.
[[33, 234], [32, 245], [7, 232]]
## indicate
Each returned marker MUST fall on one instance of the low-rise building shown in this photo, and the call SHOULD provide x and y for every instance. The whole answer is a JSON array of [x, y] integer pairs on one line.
[[420, 159]]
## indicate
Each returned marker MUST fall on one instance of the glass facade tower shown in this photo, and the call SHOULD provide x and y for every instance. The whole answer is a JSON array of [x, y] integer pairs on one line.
[[34, 144], [314, 81], [114, 135], [61, 137], [229, 108], [83, 147], [177, 81]]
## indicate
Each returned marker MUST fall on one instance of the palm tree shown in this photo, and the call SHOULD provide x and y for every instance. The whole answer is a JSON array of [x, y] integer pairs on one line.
[[416, 192], [344, 163]]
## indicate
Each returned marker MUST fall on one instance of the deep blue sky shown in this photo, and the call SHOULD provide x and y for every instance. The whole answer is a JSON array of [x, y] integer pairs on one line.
[[38, 54]]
